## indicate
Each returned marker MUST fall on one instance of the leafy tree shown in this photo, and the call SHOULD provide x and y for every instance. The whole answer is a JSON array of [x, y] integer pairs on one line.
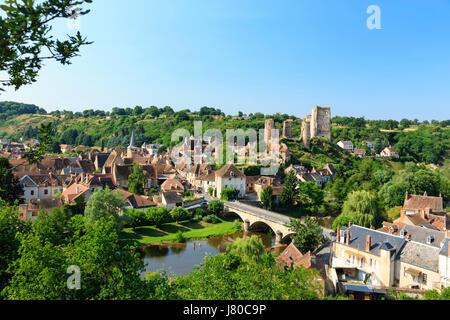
[[308, 234], [229, 194], [247, 248], [136, 179], [179, 214], [310, 197], [267, 198], [104, 203], [157, 216], [215, 206], [26, 39], [11, 229], [135, 218], [288, 194], [10, 190], [362, 208]]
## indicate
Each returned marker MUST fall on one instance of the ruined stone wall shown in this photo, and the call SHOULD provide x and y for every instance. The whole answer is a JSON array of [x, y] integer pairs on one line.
[[321, 122], [269, 125], [306, 132], [287, 128]]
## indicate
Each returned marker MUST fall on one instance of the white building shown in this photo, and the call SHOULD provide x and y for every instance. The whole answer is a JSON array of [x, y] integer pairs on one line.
[[346, 145], [230, 177]]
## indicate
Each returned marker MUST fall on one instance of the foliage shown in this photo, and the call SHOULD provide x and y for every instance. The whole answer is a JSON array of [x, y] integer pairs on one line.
[[180, 237], [310, 197], [26, 41], [251, 248], [157, 216], [229, 194], [267, 198], [104, 203], [288, 194], [136, 179], [394, 213], [308, 234], [362, 208], [211, 219], [10, 190], [179, 214], [215, 206]]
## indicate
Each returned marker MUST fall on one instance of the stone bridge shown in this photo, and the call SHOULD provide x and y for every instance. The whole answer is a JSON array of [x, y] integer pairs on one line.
[[255, 218]]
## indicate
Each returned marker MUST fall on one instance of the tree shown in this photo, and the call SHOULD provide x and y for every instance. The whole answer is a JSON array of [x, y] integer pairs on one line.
[[136, 179], [288, 194], [229, 194], [308, 235], [179, 214], [11, 227], [135, 218], [104, 203], [10, 190], [247, 248], [26, 41], [362, 209], [215, 206], [157, 216], [267, 198], [310, 197]]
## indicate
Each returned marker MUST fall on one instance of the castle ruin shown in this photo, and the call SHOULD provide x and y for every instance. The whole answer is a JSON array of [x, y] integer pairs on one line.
[[317, 125]]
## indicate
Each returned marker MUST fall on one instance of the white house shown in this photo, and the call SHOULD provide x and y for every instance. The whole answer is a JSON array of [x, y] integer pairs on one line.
[[230, 177], [346, 145]]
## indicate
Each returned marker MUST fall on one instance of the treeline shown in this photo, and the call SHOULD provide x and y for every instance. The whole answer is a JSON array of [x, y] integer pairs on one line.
[[384, 124], [10, 109]]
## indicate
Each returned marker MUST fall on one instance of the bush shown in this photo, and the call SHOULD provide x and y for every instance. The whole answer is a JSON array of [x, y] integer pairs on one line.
[[212, 219], [197, 218], [394, 213], [157, 216], [201, 212], [179, 214], [229, 194], [180, 237], [215, 206]]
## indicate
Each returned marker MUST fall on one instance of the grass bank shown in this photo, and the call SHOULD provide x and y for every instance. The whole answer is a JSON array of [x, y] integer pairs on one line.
[[167, 232]]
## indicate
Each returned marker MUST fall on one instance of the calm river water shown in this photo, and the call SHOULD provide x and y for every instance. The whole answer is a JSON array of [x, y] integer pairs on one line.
[[181, 258]]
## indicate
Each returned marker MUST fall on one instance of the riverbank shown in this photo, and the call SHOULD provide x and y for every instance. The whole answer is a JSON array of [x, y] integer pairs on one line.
[[167, 232]]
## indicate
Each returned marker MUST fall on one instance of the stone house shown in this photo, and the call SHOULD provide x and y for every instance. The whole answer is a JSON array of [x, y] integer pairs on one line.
[[230, 177]]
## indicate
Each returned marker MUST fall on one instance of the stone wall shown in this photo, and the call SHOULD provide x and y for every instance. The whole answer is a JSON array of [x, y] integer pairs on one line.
[[317, 125]]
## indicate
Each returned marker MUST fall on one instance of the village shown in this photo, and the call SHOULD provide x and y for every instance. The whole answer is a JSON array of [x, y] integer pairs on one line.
[[410, 255]]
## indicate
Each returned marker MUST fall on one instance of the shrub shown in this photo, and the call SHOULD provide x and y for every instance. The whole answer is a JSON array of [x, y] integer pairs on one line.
[[201, 212], [157, 216], [215, 206], [180, 237], [179, 214], [212, 219]]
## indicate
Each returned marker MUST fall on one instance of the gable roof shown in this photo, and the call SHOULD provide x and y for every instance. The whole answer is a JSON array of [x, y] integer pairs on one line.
[[420, 255], [136, 201], [415, 202], [229, 171]]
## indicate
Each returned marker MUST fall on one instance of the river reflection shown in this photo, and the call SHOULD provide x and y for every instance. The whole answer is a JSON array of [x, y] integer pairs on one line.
[[181, 258]]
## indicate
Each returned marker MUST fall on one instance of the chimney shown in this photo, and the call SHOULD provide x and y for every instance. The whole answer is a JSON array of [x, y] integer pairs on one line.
[[347, 238], [425, 194], [338, 234], [402, 214], [407, 196], [349, 224], [368, 243]]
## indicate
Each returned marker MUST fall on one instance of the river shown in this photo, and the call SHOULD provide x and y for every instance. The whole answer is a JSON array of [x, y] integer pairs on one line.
[[181, 258]]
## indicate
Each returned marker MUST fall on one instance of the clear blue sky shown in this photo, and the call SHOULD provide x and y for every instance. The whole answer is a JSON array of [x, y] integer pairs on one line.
[[257, 55]]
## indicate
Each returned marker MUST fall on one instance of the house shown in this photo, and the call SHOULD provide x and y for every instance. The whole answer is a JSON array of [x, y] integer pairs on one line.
[[264, 182], [207, 180], [171, 199], [76, 191], [360, 153], [389, 152], [424, 211], [250, 183], [40, 185], [418, 266], [30, 211], [291, 257], [100, 160], [366, 256], [172, 185], [134, 201], [65, 148], [444, 264], [346, 145], [230, 177]]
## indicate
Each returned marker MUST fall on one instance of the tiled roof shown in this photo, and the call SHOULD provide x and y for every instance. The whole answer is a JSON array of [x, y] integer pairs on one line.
[[420, 255], [172, 184], [414, 202], [229, 171], [421, 235], [136, 201]]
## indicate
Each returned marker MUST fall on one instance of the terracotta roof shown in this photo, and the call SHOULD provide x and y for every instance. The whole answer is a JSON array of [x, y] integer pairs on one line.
[[172, 184], [414, 202], [136, 201], [291, 256], [229, 171]]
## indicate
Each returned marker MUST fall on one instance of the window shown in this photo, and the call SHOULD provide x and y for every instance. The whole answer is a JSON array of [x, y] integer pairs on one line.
[[404, 272], [371, 262], [361, 262], [32, 192], [424, 278], [45, 191]]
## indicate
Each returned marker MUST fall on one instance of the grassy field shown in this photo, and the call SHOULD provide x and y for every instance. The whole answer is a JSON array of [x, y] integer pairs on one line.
[[167, 232]]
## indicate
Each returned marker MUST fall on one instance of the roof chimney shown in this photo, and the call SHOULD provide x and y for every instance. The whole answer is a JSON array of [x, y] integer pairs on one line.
[[406, 196], [349, 224], [347, 238], [425, 194], [338, 234], [368, 243]]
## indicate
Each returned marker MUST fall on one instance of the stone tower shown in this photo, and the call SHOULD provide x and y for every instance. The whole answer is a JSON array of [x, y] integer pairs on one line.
[[269, 125], [321, 123], [132, 145], [287, 128], [317, 125]]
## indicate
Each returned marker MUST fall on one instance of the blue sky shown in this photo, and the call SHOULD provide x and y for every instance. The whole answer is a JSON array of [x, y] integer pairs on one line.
[[256, 55]]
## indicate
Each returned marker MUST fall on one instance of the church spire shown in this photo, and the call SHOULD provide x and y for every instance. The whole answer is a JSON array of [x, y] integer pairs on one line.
[[132, 140]]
